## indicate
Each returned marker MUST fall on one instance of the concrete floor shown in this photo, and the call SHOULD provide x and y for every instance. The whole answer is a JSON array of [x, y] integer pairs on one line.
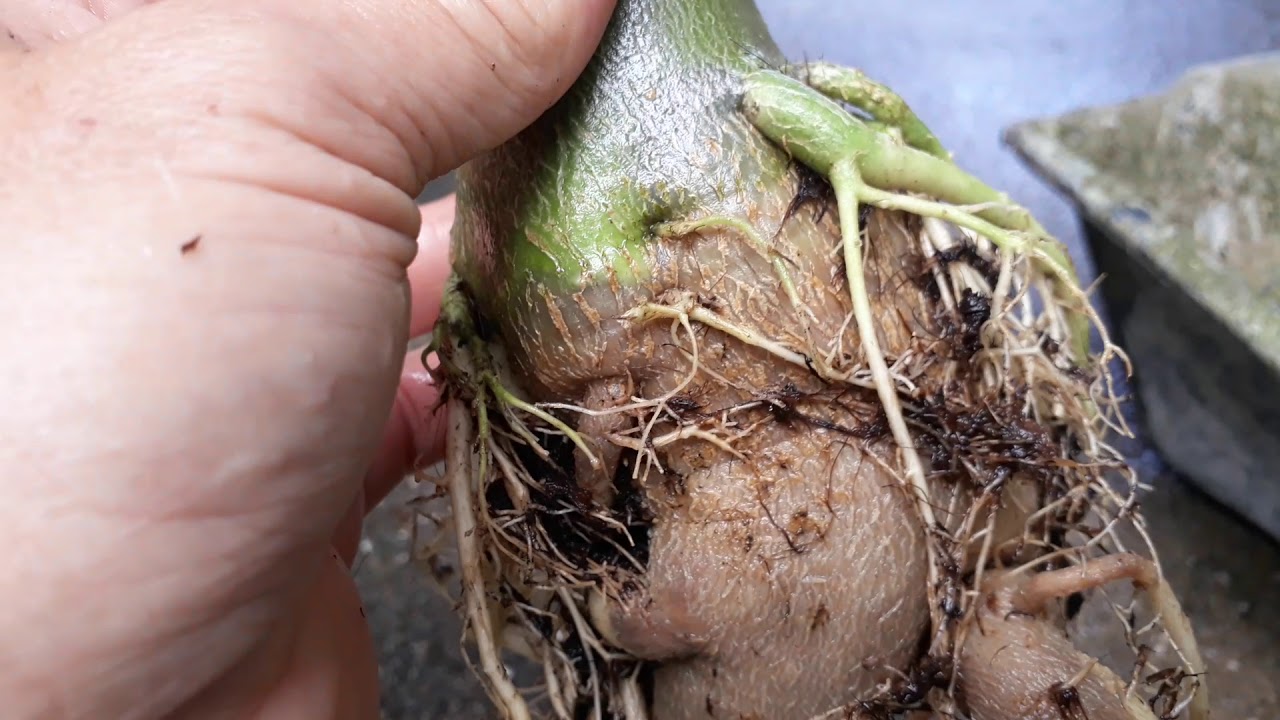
[[970, 68]]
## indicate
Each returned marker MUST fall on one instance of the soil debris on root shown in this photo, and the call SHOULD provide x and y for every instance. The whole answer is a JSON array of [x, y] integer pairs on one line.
[[823, 438], [1023, 487]]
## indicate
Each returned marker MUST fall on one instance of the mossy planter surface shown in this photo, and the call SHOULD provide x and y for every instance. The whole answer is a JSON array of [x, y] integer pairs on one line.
[[1179, 195]]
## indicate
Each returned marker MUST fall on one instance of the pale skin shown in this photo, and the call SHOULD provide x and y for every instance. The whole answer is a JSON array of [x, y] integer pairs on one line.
[[209, 274]]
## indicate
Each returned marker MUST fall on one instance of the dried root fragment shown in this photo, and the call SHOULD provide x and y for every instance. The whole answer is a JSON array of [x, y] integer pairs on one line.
[[462, 467]]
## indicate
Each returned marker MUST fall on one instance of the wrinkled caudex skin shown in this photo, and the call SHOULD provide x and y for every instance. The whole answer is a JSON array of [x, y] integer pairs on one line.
[[761, 407]]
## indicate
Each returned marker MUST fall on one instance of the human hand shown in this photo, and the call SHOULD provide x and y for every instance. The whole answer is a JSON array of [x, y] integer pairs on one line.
[[207, 290]]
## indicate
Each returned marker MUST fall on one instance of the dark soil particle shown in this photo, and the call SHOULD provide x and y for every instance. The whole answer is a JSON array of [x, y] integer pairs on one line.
[[565, 511], [813, 189], [994, 437]]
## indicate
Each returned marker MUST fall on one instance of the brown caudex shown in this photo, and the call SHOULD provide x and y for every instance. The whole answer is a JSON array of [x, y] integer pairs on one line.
[[737, 432]]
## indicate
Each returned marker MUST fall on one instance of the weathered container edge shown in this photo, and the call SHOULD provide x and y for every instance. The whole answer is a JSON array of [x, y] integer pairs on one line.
[[1205, 343]]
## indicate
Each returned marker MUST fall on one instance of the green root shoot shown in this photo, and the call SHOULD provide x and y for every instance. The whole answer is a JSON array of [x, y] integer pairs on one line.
[[505, 397], [886, 107], [816, 131]]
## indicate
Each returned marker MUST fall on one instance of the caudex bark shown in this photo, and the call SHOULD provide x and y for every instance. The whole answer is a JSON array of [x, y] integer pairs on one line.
[[761, 406]]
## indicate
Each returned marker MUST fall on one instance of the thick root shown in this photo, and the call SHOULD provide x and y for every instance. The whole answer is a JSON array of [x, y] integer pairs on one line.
[[810, 439], [1016, 663]]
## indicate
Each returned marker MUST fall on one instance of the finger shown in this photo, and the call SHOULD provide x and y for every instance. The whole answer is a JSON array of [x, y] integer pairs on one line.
[[332, 671], [430, 269], [403, 89], [263, 155], [250, 166], [319, 662], [36, 23], [414, 436]]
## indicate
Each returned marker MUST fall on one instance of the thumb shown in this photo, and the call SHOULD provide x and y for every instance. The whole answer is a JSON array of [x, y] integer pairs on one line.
[[404, 89]]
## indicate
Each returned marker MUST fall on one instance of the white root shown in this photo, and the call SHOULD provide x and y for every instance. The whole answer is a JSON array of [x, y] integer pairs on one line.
[[516, 489], [846, 181], [650, 458], [687, 310], [554, 691], [458, 457], [753, 238], [632, 700]]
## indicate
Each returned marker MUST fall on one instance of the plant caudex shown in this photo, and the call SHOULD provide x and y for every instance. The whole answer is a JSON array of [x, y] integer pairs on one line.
[[760, 406]]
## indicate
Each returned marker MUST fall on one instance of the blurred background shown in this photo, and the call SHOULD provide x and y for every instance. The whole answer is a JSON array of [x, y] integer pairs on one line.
[[970, 69]]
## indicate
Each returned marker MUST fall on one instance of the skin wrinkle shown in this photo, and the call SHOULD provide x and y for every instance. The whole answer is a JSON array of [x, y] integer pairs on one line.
[[389, 244], [507, 63], [413, 130], [389, 203], [224, 535], [365, 199], [337, 80], [251, 39], [510, 39]]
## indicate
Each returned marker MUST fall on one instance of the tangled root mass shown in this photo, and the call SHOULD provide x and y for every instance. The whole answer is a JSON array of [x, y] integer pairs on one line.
[[1012, 506]]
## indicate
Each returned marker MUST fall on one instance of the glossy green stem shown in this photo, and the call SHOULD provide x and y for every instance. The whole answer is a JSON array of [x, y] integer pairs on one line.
[[650, 132], [818, 132]]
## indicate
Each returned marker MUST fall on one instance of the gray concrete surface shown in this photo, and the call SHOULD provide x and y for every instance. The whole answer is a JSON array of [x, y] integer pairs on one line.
[[1181, 196], [970, 68]]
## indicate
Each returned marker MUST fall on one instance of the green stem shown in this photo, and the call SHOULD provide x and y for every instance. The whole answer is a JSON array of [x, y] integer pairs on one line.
[[889, 109], [818, 132]]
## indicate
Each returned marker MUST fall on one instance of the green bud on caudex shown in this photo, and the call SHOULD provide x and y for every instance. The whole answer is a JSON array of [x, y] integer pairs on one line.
[[761, 407]]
